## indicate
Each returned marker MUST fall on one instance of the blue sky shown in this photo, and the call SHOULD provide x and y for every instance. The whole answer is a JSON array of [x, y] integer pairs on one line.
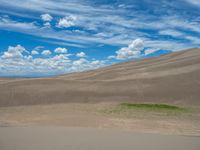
[[48, 37]]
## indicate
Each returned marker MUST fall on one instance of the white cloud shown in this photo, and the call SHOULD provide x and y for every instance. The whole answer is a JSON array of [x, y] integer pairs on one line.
[[14, 52], [37, 48], [193, 39], [16, 61], [47, 24], [60, 50], [79, 62], [96, 62], [194, 2], [46, 52], [60, 57], [28, 58], [67, 22], [111, 57], [150, 51], [177, 34], [7, 23], [131, 51], [115, 28], [84, 64], [46, 17], [81, 54], [167, 45], [176, 22], [117, 35], [171, 32], [34, 52]]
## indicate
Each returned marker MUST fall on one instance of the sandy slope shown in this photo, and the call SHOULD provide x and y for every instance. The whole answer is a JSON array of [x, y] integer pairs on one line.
[[172, 78]]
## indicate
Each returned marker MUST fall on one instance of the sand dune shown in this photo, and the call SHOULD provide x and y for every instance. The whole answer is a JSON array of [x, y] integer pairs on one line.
[[172, 78]]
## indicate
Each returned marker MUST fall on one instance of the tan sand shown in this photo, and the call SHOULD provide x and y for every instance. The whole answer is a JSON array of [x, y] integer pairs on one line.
[[54, 138], [28, 107], [94, 116], [172, 78]]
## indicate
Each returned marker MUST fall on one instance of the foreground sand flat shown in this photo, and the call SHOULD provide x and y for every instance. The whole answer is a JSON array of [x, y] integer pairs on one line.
[[57, 138], [97, 116]]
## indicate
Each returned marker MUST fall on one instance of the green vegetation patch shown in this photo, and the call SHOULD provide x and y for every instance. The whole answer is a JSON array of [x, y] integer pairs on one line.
[[134, 109], [150, 106]]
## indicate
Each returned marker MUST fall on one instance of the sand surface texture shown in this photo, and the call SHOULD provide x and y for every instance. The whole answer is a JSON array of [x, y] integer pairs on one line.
[[38, 138]]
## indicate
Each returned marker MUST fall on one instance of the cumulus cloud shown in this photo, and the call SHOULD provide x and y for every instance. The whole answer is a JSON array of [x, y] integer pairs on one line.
[[47, 25], [133, 49], [111, 57], [60, 50], [46, 52], [14, 52], [79, 62], [61, 57], [46, 17], [96, 62], [17, 61], [67, 22], [34, 52], [83, 64], [81, 54]]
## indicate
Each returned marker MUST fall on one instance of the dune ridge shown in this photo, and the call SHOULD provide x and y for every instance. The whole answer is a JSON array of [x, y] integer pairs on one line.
[[171, 78]]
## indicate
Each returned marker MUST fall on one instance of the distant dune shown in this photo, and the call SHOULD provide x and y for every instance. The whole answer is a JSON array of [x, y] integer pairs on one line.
[[172, 78]]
